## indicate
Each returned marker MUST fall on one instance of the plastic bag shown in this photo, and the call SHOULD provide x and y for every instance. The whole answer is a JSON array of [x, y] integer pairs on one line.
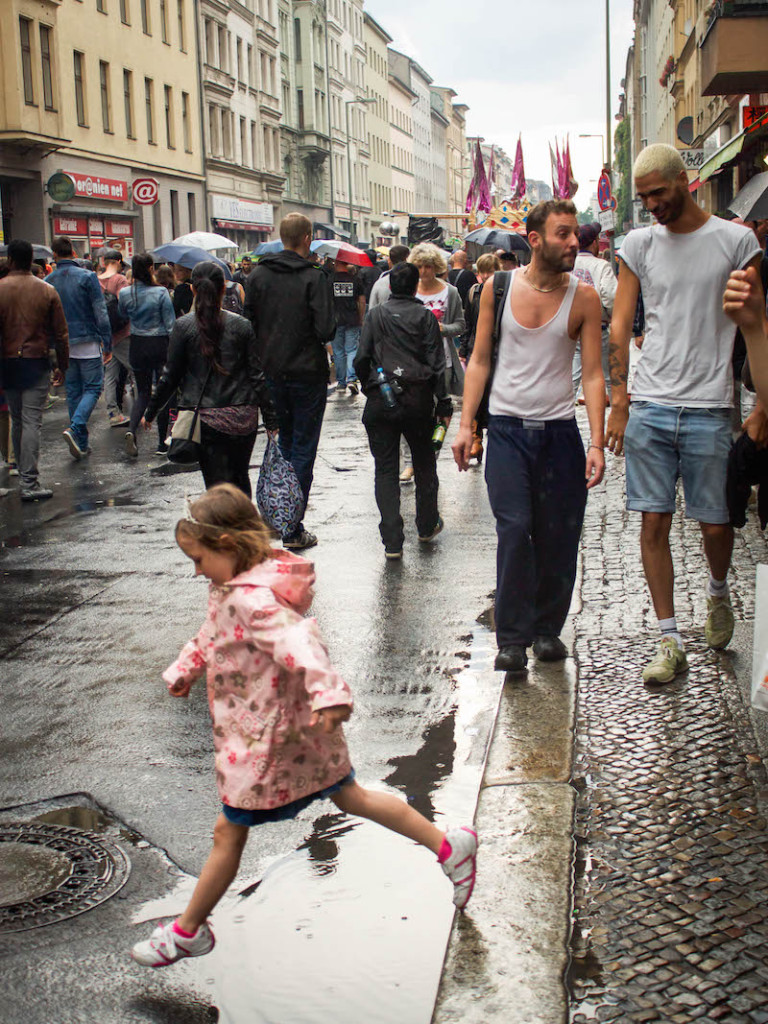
[[760, 647], [279, 497]]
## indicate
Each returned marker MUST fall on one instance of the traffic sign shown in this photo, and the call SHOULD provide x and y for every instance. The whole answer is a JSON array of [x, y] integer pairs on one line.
[[605, 200]]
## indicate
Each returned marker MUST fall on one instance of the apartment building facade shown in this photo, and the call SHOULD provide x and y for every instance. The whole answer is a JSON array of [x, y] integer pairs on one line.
[[240, 81], [377, 41], [401, 102], [100, 94]]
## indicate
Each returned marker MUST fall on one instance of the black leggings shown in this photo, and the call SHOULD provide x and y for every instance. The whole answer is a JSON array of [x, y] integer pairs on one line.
[[147, 356], [225, 458]]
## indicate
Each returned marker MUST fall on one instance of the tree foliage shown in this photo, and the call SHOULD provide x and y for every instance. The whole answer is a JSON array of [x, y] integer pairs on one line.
[[622, 149]]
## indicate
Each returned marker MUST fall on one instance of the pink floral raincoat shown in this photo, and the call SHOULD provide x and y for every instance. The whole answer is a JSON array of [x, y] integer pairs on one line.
[[267, 670]]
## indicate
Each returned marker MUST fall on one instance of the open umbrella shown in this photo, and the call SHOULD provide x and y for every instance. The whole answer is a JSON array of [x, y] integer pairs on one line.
[[188, 256], [39, 252], [510, 241], [343, 251], [205, 240], [751, 203], [264, 247]]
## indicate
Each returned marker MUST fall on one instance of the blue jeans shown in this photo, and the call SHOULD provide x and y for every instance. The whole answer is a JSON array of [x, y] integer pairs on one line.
[[345, 343], [84, 381], [300, 407], [664, 442], [538, 493]]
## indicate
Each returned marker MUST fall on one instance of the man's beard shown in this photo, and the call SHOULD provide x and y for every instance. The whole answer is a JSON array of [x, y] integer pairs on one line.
[[552, 259]]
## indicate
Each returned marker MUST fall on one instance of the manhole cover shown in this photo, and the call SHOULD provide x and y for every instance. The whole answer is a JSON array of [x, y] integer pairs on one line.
[[51, 872]]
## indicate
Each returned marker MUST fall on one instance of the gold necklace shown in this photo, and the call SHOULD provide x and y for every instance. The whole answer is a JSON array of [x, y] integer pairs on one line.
[[544, 290]]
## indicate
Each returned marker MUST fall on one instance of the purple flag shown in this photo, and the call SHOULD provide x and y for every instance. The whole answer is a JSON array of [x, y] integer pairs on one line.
[[483, 191]]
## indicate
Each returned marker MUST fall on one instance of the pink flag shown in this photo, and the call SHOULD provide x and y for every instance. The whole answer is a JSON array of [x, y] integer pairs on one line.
[[518, 174], [555, 165], [472, 194], [483, 191], [573, 185]]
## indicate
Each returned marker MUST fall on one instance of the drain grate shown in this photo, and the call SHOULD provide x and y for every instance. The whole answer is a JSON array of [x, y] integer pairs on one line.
[[59, 871]]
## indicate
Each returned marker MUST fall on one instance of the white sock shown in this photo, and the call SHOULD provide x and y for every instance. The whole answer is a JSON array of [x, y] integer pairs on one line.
[[668, 629], [717, 588]]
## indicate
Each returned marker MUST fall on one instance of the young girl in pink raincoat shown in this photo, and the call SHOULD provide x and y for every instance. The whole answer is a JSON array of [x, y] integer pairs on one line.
[[277, 706]]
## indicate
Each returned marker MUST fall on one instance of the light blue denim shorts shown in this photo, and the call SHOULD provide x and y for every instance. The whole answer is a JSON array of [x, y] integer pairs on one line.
[[663, 443]]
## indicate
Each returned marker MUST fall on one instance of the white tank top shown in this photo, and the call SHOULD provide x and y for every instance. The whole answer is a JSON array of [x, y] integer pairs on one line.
[[533, 378]]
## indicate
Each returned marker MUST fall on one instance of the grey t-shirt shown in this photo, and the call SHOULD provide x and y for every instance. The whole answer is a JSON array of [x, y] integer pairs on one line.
[[688, 342]]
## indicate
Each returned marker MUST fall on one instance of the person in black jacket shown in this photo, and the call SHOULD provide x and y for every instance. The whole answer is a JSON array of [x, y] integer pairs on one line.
[[214, 362], [403, 338], [289, 301]]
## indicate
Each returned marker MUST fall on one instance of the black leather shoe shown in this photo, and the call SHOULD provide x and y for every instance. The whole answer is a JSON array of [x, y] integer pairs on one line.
[[550, 648], [511, 659]]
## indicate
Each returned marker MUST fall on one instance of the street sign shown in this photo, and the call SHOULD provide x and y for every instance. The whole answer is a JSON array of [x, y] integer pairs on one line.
[[692, 159], [607, 220], [750, 114], [605, 200], [146, 191]]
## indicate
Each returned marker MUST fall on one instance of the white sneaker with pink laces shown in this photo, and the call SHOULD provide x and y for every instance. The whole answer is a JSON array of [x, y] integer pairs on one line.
[[458, 860], [167, 945]]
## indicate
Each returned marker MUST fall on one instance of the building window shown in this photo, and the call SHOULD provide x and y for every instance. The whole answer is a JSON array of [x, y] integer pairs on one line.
[[243, 142], [174, 213], [223, 63], [170, 141], [149, 107], [124, 13], [213, 129], [226, 132], [26, 60], [297, 39], [45, 60], [240, 75], [254, 146], [185, 122], [209, 43], [106, 118], [191, 211], [164, 22], [300, 105], [182, 28], [250, 67], [146, 27], [80, 89], [128, 102], [101, 6]]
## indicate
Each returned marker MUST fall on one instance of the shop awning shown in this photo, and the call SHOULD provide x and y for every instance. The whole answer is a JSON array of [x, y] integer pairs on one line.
[[333, 230], [240, 225], [731, 149], [693, 185]]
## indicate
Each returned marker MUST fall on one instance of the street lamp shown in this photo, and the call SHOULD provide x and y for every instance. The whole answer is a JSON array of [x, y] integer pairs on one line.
[[347, 105], [602, 143]]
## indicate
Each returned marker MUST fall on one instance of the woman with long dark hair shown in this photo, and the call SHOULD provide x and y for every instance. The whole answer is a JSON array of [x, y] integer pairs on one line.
[[149, 308], [212, 360]]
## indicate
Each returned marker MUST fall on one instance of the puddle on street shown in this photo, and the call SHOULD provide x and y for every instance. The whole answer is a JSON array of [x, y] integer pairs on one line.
[[353, 925]]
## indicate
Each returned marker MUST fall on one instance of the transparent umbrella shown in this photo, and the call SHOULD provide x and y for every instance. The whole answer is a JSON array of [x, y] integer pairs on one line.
[[204, 240]]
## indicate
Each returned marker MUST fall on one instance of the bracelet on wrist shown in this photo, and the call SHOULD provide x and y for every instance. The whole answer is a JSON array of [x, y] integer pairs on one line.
[[600, 447]]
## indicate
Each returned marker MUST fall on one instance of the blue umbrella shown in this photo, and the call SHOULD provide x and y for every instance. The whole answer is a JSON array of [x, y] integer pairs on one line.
[[264, 247], [188, 256]]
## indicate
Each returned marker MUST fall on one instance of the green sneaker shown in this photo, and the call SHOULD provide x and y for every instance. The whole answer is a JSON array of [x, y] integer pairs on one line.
[[719, 625], [669, 661]]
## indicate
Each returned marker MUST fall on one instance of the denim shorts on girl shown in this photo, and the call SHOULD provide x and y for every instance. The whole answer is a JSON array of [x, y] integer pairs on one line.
[[238, 816], [663, 443]]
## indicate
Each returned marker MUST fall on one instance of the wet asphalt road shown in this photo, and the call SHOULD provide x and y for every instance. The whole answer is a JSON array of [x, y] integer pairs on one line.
[[349, 923]]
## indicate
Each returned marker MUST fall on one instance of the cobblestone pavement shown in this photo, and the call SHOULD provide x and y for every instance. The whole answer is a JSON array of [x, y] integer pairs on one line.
[[670, 916]]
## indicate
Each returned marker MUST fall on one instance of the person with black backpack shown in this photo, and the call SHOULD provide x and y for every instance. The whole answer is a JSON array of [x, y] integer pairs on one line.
[[112, 281], [401, 364]]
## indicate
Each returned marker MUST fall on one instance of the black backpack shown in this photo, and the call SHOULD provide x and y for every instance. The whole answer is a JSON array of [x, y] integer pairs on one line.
[[116, 319], [232, 300]]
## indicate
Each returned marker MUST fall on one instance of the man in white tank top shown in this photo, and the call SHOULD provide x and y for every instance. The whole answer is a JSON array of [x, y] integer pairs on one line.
[[536, 470], [679, 423]]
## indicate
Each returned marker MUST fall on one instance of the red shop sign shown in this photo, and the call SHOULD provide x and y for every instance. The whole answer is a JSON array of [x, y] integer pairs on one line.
[[146, 191], [91, 186], [119, 228], [70, 226]]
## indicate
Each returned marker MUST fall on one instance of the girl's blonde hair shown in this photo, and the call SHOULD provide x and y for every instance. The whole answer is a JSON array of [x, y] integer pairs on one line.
[[224, 519], [425, 254]]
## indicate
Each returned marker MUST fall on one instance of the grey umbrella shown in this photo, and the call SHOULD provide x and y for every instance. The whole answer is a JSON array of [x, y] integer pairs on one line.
[[751, 203], [510, 241], [39, 252]]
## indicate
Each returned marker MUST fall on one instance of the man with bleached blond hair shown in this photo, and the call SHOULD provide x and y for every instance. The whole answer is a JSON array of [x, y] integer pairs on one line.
[[679, 421]]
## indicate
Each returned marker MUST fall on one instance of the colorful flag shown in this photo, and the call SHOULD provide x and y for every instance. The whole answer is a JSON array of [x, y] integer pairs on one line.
[[483, 191], [555, 165], [491, 174], [572, 184], [472, 194]]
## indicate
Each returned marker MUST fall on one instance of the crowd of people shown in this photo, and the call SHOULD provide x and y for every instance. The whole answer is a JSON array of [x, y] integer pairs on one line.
[[521, 345]]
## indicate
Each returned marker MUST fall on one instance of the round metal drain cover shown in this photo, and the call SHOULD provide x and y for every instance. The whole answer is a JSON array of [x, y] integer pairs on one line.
[[51, 872]]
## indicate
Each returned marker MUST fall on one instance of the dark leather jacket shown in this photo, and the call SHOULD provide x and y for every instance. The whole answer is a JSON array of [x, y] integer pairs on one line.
[[242, 383]]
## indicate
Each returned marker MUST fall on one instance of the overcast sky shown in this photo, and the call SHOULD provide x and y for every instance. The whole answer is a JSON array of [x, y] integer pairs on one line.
[[536, 68]]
